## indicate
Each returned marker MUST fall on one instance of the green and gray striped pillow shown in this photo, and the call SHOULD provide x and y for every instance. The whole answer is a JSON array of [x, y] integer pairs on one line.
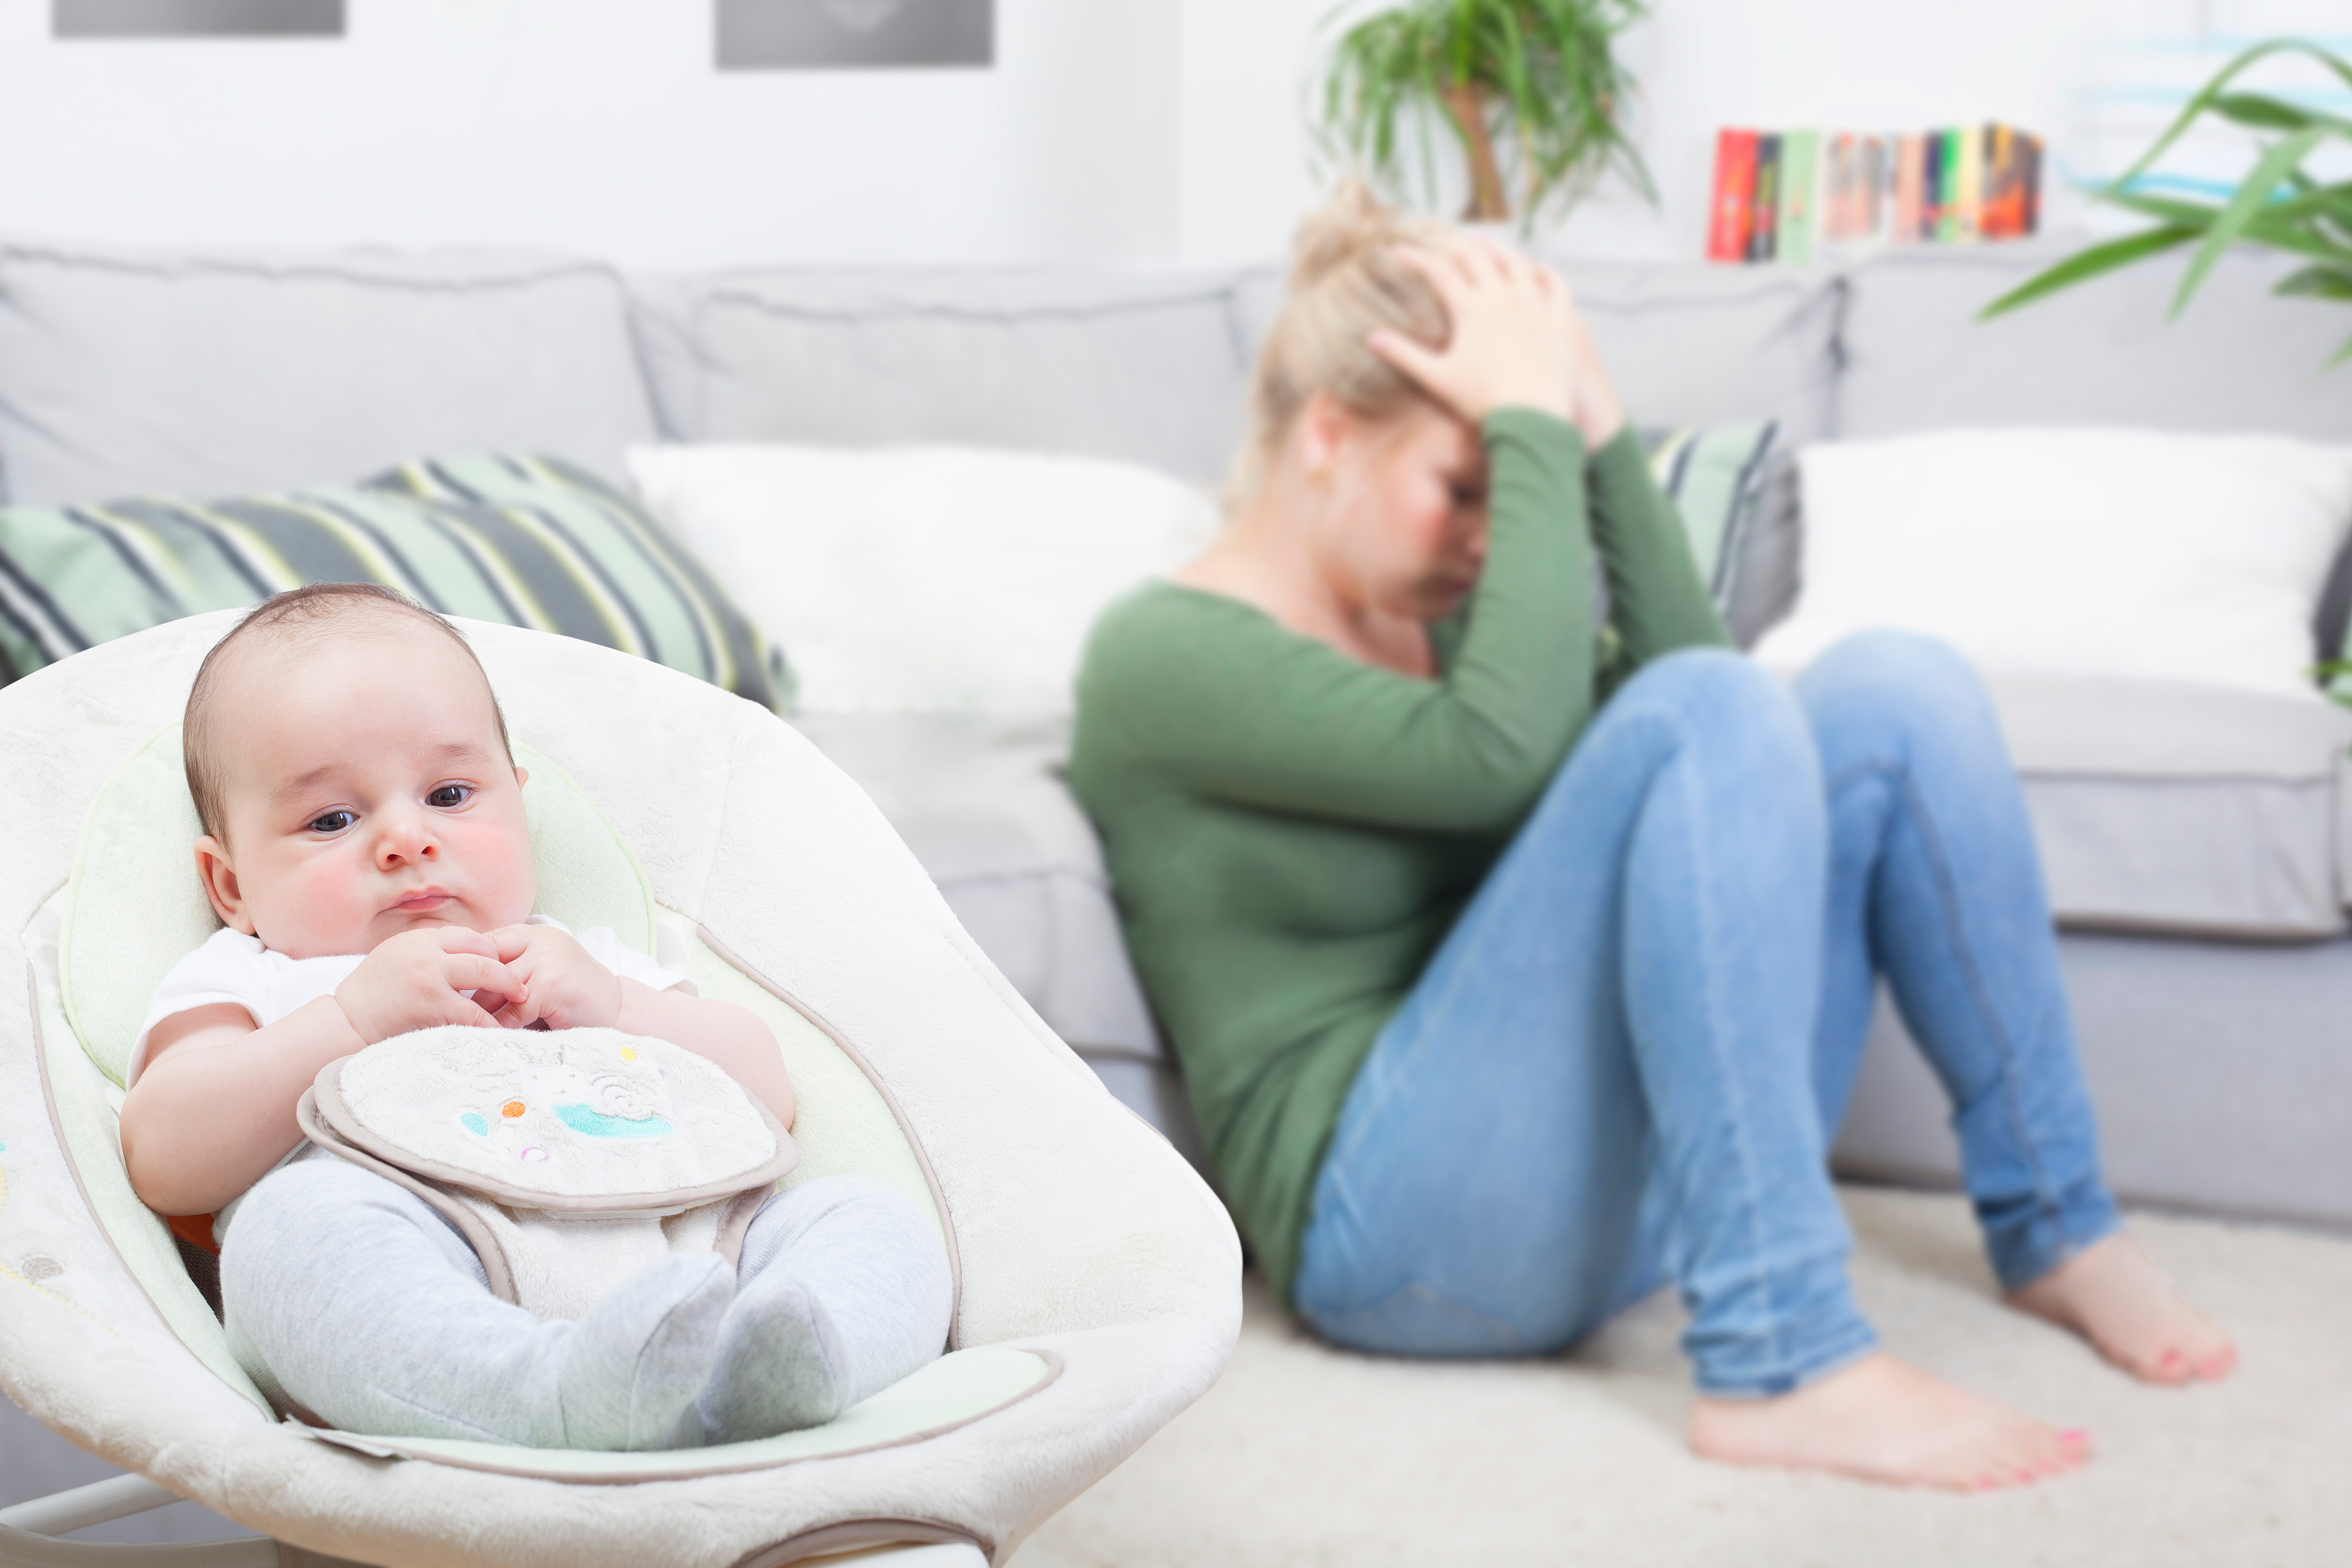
[[525, 540], [1715, 474]]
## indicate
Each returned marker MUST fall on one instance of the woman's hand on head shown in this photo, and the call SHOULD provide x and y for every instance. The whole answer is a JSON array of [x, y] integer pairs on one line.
[[1518, 340]]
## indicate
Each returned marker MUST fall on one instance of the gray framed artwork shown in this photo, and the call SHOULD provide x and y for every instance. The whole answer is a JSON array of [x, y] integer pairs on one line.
[[197, 18], [820, 35]]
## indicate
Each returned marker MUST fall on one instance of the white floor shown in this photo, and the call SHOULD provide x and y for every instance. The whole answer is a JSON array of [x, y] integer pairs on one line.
[[1305, 1456]]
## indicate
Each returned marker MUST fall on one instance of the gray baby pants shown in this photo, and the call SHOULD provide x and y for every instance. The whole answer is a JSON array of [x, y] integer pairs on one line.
[[351, 1299]]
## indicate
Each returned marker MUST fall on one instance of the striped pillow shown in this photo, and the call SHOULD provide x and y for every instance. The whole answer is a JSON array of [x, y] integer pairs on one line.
[[528, 542], [1715, 474]]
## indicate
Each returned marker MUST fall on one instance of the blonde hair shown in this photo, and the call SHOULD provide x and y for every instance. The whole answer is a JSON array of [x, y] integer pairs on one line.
[[315, 611], [1346, 282]]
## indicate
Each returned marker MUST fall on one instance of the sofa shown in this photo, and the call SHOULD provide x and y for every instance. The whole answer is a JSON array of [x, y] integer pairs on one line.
[[2195, 837]]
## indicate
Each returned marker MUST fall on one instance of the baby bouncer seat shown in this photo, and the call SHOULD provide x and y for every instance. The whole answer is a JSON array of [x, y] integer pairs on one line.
[[1096, 1277]]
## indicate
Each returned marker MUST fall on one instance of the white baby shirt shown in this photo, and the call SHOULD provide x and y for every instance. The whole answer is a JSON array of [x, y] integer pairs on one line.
[[235, 967]]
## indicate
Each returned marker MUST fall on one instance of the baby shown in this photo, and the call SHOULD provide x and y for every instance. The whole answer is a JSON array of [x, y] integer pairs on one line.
[[364, 846]]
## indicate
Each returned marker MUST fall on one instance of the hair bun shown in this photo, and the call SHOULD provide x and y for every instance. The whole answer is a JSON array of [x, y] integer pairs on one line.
[[1354, 223]]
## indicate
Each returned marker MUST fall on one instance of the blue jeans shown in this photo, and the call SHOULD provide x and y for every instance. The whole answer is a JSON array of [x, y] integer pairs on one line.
[[1632, 1049]]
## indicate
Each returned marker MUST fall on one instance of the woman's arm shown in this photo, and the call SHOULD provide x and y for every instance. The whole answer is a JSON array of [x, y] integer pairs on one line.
[[1231, 704], [1235, 707], [1658, 600]]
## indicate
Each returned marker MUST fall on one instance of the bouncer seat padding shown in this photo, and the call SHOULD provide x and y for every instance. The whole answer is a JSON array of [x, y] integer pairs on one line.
[[1096, 1277]]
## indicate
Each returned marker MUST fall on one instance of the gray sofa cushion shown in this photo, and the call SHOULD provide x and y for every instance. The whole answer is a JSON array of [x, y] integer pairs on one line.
[[127, 374], [2221, 1072], [2100, 353], [981, 803], [2186, 810], [1147, 367]]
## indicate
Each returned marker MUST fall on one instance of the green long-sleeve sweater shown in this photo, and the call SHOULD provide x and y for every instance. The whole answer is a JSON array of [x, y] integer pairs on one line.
[[1291, 832]]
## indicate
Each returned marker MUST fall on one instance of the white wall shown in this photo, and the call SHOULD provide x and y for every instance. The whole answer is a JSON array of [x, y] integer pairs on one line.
[[1148, 130], [598, 125]]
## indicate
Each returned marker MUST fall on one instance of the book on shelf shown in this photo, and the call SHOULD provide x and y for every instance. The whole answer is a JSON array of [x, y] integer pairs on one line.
[[1793, 239], [1732, 219], [1763, 237], [1798, 195]]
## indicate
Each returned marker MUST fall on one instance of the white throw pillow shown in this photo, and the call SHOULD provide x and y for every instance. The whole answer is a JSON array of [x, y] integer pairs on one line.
[[2087, 552], [924, 578]]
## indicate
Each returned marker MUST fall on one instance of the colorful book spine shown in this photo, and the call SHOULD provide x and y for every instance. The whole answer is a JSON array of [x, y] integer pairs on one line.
[[1968, 199], [1878, 186], [2031, 159], [1910, 189], [1948, 173], [1931, 185], [1800, 156], [1763, 239], [2004, 186], [1733, 218]]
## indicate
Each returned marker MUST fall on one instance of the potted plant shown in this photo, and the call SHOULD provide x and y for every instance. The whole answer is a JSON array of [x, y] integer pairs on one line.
[[2276, 204], [1530, 89]]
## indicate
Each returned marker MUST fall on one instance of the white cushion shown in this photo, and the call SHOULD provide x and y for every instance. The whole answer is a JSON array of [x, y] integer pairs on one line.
[[924, 579], [2076, 552], [123, 372]]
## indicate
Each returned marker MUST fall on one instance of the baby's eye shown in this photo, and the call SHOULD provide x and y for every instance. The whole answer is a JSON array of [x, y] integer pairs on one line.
[[450, 796], [332, 821]]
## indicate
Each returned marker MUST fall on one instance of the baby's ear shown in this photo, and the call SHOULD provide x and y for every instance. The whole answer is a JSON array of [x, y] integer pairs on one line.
[[221, 886], [523, 775]]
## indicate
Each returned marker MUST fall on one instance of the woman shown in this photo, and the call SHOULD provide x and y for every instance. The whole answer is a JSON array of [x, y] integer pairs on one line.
[[1511, 959]]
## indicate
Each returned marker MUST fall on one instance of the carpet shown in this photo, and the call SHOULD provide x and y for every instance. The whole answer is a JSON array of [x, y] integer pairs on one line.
[[1305, 1456]]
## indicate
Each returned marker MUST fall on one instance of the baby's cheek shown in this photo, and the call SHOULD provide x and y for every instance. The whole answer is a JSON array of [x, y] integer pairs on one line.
[[510, 884], [323, 906]]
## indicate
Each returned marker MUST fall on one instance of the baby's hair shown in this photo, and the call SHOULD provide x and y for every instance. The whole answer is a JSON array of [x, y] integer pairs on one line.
[[298, 613], [1346, 280]]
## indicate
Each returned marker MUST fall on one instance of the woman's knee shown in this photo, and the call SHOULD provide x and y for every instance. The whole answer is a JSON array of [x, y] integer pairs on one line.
[[1725, 700], [1885, 688]]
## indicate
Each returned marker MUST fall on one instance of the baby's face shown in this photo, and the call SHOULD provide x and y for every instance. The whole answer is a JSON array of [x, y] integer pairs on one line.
[[365, 794]]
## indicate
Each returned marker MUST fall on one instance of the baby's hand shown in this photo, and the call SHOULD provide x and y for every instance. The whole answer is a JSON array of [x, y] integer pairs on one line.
[[564, 987], [418, 980]]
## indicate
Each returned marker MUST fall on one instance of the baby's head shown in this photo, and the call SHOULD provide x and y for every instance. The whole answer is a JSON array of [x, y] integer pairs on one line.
[[352, 776]]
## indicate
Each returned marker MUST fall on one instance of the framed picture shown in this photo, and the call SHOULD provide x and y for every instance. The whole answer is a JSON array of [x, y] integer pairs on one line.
[[818, 35], [197, 18]]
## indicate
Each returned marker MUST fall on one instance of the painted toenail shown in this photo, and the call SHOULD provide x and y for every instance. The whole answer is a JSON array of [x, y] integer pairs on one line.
[[2075, 1436]]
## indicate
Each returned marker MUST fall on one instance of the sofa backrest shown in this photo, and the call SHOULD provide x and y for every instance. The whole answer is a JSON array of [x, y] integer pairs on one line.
[[2237, 359], [127, 372], [1145, 366]]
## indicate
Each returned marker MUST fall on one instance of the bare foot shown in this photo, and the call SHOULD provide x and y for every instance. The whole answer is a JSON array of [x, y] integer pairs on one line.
[[2115, 1297], [1882, 1420]]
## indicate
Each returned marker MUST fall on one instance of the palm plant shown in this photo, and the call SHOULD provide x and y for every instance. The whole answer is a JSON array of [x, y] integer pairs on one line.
[[2277, 203], [1530, 89]]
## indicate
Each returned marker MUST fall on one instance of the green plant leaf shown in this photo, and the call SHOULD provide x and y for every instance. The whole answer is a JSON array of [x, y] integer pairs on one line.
[[2318, 281], [2083, 266], [2253, 192], [2261, 111]]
